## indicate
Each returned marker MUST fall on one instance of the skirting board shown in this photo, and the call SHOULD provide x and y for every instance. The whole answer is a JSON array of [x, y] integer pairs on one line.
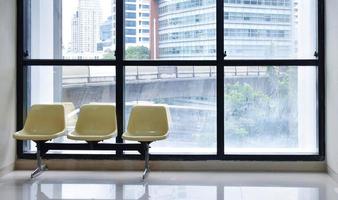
[[7, 169], [332, 173], [133, 165]]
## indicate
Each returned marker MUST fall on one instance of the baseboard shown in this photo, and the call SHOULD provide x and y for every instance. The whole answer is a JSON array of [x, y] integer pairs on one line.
[[7, 169], [332, 173], [133, 165]]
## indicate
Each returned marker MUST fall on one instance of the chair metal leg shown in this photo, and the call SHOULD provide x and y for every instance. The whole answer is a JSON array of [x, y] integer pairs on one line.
[[40, 165], [146, 160]]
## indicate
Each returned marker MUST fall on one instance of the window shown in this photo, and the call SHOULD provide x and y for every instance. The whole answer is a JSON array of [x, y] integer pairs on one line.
[[270, 110], [130, 31], [130, 15], [192, 100], [131, 23], [64, 29], [130, 40], [241, 80], [130, 7], [181, 31], [270, 27]]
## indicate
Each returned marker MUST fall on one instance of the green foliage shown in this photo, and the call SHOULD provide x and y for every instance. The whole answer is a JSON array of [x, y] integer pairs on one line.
[[137, 53], [253, 109], [109, 56], [243, 106], [242, 98], [132, 53]]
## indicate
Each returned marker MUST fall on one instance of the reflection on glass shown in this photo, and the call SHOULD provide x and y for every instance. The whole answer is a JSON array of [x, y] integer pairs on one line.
[[73, 86], [189, 92], [270, 110]]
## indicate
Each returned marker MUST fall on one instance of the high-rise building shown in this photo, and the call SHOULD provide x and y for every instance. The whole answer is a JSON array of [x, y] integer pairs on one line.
[[75, 40], [252, 29], [106, 29], [86, 27], [137, 23]]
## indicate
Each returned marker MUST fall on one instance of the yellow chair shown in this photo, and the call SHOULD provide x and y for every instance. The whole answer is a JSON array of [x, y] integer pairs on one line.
[[44, 122], [147, 123], [96, 122]]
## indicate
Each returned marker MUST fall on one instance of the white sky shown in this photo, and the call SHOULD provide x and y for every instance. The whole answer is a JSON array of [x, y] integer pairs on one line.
[[69, 8]]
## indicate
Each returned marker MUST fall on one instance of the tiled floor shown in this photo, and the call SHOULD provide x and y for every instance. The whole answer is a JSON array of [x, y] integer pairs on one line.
[[168, 186]]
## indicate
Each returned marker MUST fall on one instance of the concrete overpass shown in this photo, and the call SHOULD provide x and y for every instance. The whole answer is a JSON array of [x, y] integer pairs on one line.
[[149, 83]]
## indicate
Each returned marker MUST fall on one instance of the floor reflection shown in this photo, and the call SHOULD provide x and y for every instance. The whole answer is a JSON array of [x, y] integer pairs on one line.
[[205, 187], [170, 192]]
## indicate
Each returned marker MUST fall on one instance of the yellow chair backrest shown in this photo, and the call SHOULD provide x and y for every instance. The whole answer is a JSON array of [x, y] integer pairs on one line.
[[149, 119], [45, 119], [96, 119]]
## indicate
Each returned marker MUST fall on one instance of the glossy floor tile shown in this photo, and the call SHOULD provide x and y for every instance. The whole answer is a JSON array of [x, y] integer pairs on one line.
[[168, 186]]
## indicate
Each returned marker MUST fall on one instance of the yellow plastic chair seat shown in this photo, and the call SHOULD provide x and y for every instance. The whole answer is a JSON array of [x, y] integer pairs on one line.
[[78, 136], [144, 136], [147, 123], [44, 122], [96, 122], [24, 135]]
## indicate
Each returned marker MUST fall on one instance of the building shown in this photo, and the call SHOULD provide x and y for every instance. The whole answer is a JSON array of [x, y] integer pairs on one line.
[[85, 27], [252, 29]]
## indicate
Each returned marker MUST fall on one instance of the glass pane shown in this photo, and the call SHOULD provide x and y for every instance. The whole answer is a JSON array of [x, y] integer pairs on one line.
[[170, 30], [72, 29], [270, 110], [73, 86], [270, 29], [189, 92]]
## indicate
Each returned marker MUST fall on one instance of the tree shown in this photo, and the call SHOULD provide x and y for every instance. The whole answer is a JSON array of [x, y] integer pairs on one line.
[[253, 113], [131, 53], [109, 56], [137, 53]]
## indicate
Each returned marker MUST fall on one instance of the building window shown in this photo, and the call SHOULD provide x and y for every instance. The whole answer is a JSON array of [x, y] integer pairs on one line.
[[242, 81]]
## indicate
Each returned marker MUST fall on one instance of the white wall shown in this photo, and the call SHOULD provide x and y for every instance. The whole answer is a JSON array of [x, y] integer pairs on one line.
[[7, 83], [332, 85]]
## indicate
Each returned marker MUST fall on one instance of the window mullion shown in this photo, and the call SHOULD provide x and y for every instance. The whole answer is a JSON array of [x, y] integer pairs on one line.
[[220, 76], [119, 72]]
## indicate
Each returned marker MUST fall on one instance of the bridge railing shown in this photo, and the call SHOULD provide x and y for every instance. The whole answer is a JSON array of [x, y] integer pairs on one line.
[[134, 73]]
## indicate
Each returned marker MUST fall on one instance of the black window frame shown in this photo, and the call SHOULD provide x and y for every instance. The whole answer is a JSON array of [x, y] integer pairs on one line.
[[120, 63]]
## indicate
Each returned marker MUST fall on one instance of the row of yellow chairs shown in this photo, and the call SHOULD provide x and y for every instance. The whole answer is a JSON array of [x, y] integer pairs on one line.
[[95, 123]]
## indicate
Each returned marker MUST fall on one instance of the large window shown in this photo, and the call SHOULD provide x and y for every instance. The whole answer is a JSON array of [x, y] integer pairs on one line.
[[189, 92], [243, 79], [270, 110]]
